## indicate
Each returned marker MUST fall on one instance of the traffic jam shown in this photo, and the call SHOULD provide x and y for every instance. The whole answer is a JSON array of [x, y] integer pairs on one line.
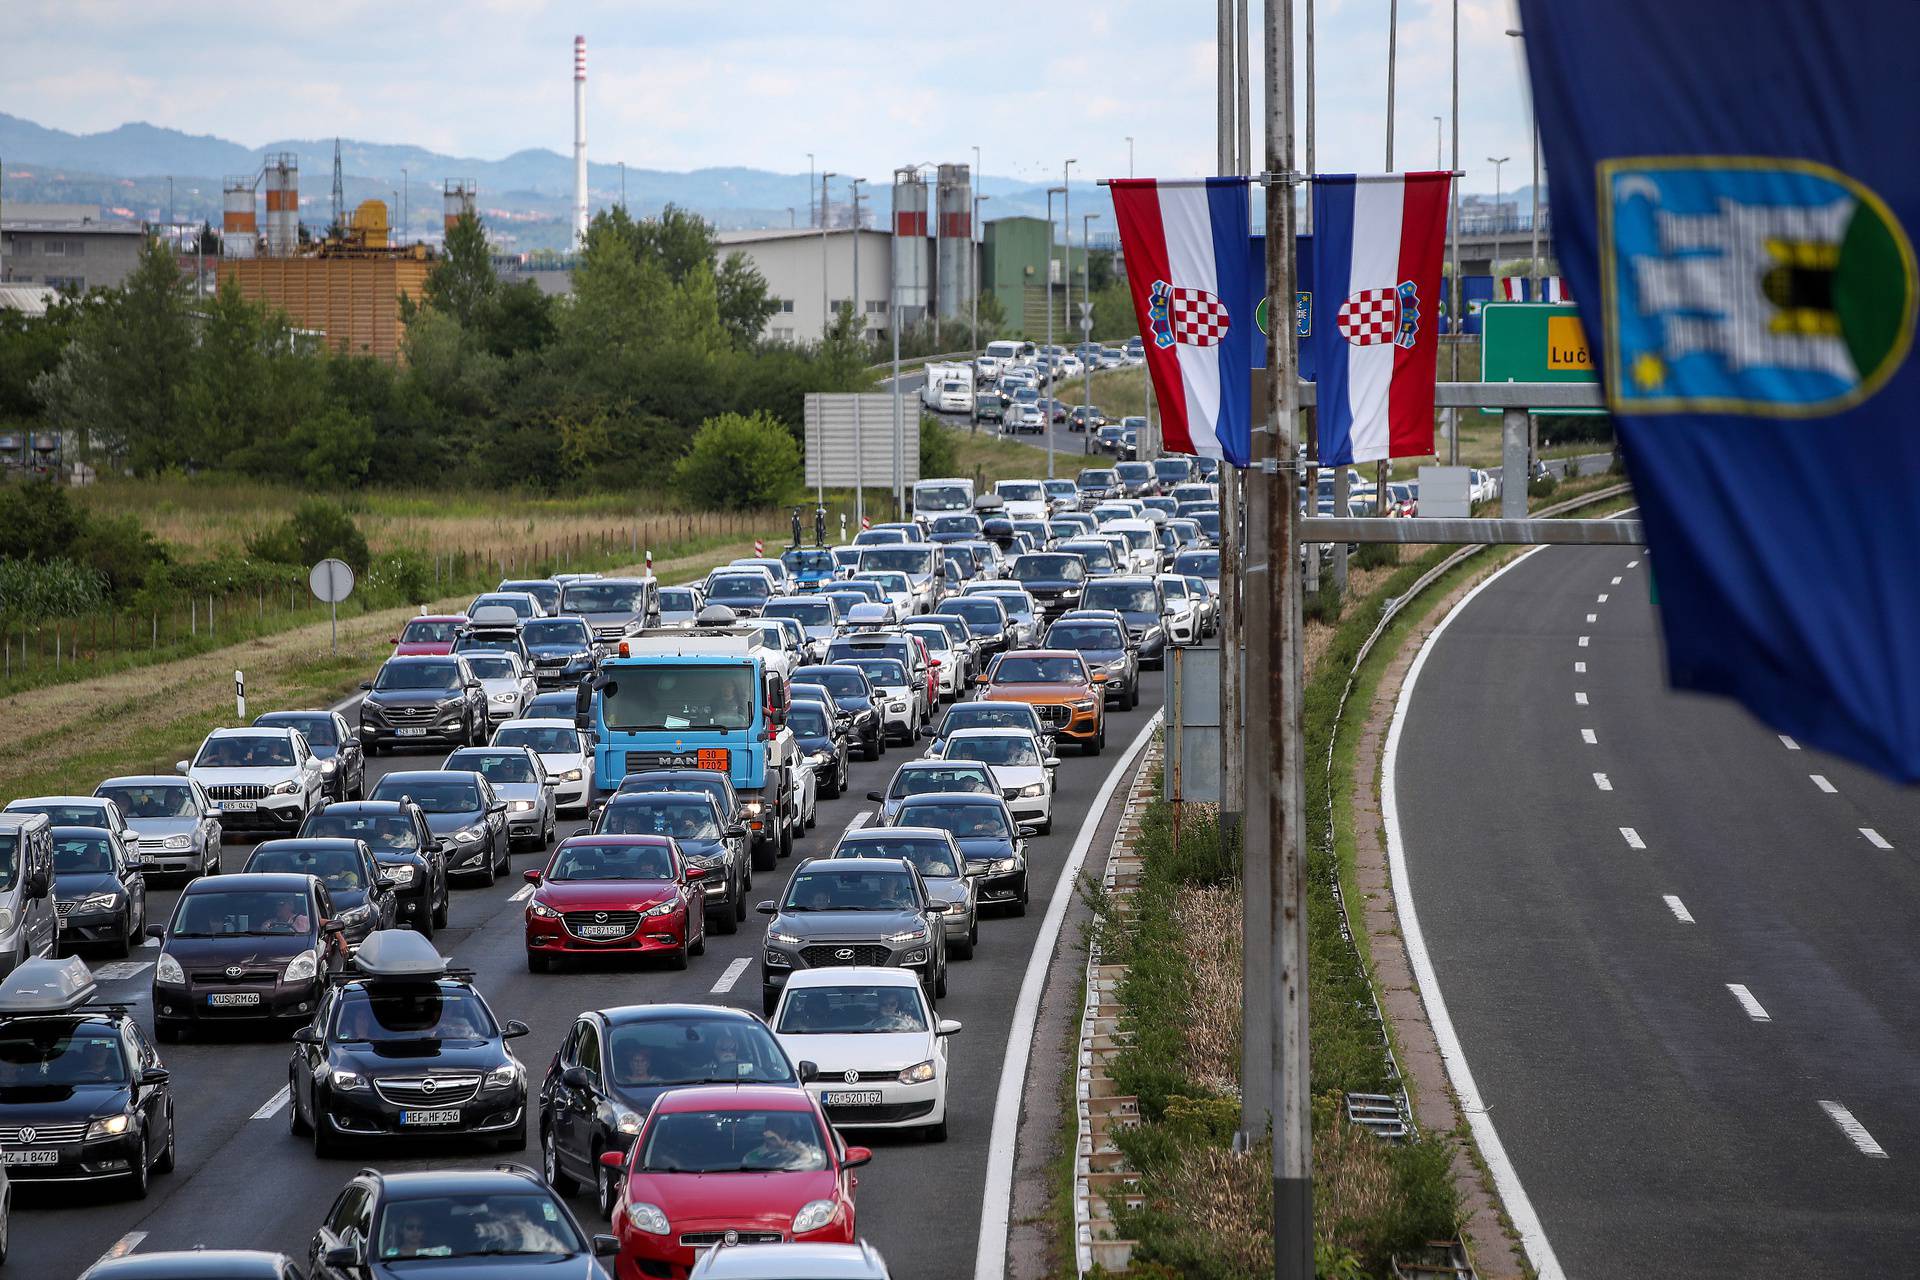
[[637, 791]]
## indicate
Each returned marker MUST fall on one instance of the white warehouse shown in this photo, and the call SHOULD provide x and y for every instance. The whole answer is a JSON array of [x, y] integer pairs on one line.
[[807, 269]]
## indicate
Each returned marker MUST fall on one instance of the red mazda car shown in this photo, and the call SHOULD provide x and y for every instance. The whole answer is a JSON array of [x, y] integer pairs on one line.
[[429, 635], [730, 1164], [621, 894]]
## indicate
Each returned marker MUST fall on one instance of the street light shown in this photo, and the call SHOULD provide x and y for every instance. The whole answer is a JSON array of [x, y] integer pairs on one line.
[[974, 266], [1046, 408], [791, 223], [826, 317], [1533, 219], [1086, 330], [859, 312], [1495, 261], [893, 319], [1066, 255], [1437, 162], [809, 188]]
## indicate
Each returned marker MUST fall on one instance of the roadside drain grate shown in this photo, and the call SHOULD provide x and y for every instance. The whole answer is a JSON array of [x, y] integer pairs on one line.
[[1379, 1112]]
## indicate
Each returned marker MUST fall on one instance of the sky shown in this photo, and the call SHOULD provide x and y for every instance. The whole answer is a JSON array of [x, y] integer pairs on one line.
[[684, 84]]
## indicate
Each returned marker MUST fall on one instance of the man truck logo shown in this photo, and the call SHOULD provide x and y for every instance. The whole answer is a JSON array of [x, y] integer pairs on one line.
[[1749, 285]]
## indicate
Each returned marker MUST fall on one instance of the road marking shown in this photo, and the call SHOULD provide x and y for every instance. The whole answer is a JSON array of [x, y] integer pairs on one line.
[[1579, 668], [121, 970], [1679, 909], [1506, 1178], [1583, 641], [1747, 1002], [1856, 1132], [1820, 781], [127, 1243], [1633, 564], [521, 894], [860, 820], [1580, 699], [151, 942], [1632, 838], [1601, 781], [1874, 838], [725, 982], [1587, 736], [1789, 743], [1593, 617], [1616, 582], [996, 1211], [1603, 597], [271, 1107]]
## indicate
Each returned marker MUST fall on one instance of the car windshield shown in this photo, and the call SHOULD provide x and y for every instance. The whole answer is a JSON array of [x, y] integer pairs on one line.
[[739, 586], [977, 610], [688, 819], [156, 801], [1096, 479], [891, 582], [422, 1012], [1126, 597], [825, 888], [39, 1055], [965, 821], [809, 720], [490, 667], [853, 1010], [987, 715], [1175, 588], [920, 780], [495, 766], [417, 675], [422, 631], [66, 815], [1006, 749], [807, 560], [1172, 470], [317, 729], [547, 593], [942, 497], [602, 597], [481, 1224], [1049, 568], [1099, 557], [881, 671], [678, 696], [390, 832], [1134, 472], [733, 1142], [841, 681], [1022, 491], [1205, 564], [245, 751], [612, 859], [898, 560], [219, 913], [808, 613], [433, 795], [1084, 635], [557, 631], [82, 855], [935, 858], [548, 740], [1021, 669], [956, 524], [694, 1050], [676, 600], [338, 869]]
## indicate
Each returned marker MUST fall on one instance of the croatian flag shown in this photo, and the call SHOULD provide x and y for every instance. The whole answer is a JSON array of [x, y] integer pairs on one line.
[[1377, 245], [1554, 289], [1513, 288], [1195, 284]]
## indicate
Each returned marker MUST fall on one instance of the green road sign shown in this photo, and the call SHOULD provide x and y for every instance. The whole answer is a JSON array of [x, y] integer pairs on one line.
[[1534, 342]]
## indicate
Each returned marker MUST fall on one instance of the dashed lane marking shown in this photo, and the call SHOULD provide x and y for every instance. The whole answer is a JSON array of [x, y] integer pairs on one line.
[[860, 820], [1616, 582], [1583, 641], [1856, 1132], [1874, 838], [1603, 782], [1633, 564], [1587, 736], [1632, 838], [1679, 909], [1603, 597], [1579, 668], [127, 1243], [1579, 699], [1789, 743], [271, 1107], [1593, 617], [1747, 1002], [121, 970], [1820, 781], [725, 982], [521, 894]]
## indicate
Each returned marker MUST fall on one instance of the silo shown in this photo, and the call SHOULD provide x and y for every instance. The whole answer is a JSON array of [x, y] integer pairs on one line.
[[910, 275], [239, 229], [456, 199], [283, 204], [954, 229]]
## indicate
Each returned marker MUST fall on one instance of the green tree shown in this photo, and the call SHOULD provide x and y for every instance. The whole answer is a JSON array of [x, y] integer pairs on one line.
[[745, 304], [463, 283], [738, 462], [30, 347]]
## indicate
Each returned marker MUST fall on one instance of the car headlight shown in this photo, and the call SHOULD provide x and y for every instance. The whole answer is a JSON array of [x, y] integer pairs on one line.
[[356, 915], [109, 1126], [505, 1077], [668, 907], [1083, 704], [290, 787], [346, 1081], [753, 808], [774, 960], [177, 843], [897, 706], [97, 902], [303, 966], [572, 775], [167, 969], [820, 759], [648, 1218], [1028, 793], [521, 806], [1005, 864], [448, 704], [916, 934], [401, 873], [785, 939], [542, 910], [471, 835], [626, 1121], [1118, 667], [506, 695], [918, 1073], [328, 766], [813, 1215], [1151, 633]]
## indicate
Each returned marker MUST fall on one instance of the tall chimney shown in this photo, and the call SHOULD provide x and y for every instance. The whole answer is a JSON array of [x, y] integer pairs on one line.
[[579, 142]]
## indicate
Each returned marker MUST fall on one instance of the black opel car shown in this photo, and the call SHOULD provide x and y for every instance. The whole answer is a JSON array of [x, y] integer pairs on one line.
[[1054, 579], [822, 744], [1106, 646], [405, 1047], [994, 844], [562, 650], [100, 895], [425, 698], [403, 844], [250, 949], [362, 895], [83, 1096]]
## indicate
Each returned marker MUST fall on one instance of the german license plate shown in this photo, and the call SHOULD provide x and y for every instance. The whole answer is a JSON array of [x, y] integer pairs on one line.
[[29, 1157], [602, 930], [442, 1115], [712, 758], [239, 806], [410, 731], [853, 1098], [221, 999]]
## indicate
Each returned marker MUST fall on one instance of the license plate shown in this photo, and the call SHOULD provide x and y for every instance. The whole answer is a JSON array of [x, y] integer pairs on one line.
[[853, 1098], [239, 806], [712, 758], [603, 930], [410, 731], [29, 1157], [443, 1115], [225, 998]]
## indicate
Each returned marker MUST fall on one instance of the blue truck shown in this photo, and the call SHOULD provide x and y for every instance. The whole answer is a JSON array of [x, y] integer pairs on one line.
[[704, 698]]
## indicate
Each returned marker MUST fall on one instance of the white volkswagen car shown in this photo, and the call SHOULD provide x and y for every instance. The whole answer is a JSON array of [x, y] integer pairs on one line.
[[881, 1051], [563, 750], [1183, 610], [262, 779], [508, 684], [1020, 766]]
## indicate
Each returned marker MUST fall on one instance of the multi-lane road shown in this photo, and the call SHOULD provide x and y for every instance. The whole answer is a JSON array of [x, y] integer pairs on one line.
[[1677, 949], [244, 1182]]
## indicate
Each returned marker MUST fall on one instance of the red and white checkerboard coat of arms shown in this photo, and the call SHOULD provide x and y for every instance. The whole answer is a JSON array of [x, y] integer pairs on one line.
[[1192, 316], [1373, 316]]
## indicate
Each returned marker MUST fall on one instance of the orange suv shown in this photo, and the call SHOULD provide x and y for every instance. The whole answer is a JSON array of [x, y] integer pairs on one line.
[[1058, 686]]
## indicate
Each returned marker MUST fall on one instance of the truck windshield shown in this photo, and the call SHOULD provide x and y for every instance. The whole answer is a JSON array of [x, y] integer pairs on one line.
[[944, 497], [678, 697]]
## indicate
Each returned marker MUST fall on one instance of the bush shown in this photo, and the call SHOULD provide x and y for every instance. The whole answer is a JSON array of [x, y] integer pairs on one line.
[[938, 457], [1542, 486], [317, 529], [38, 521], [738, 463], [403, 573], [1322, 605], [122, 551], [1376, 555]]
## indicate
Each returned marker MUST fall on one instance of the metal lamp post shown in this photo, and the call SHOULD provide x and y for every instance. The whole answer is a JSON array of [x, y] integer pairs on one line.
[[1046, 407], [1533, 219], [859, 312], [1129, 155], [1086, 328], [826, 314], [1496, 163], [809, 188], [973, 266]]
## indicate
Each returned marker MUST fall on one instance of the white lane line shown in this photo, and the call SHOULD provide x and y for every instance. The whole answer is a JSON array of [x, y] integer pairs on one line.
[[127, 1243], [1633, 564], [1587, 736], [1580, 699], [151, 942], [996, 1212], [521, 894], [1593, 617], [271, 1107], [1789, 743], [1506, 1178], [1632, 838], [1603, 782], [1747, 1002], [1820, 781], [1579, 668], [1583, 641], [1679, 909], [1603, 597], [1856, 1132], [726, 980], [121, 970], [860, 820], [1874, 838], [1616, 582]]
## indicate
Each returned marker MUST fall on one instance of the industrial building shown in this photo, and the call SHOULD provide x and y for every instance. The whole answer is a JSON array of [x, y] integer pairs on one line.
[[69, 247], [808, 270]]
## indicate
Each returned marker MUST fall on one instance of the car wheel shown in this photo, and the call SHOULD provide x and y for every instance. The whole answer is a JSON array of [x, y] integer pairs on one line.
[[122, 947], [940, 983], [1133, 695], [559, 1179], [166, 1032], [740, 898], [677, 958], [325, 1144], [137, 1181], [786, 842], [769, 1001], [537, 963], [963, 949], [297, 1124], [166, 1161], [766, 855], [937, 1132], [516, 1138], [423, 924], [553, 821], [727, 919], [373, 748], [505, 849], [440, 912], [488, 870]]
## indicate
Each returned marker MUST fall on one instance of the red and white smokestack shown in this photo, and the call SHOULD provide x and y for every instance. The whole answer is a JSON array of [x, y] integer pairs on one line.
[[579, 141]]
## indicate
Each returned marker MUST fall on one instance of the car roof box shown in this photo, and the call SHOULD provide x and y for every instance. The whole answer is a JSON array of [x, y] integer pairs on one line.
[[494, 615], [47, 986], [399, 955]]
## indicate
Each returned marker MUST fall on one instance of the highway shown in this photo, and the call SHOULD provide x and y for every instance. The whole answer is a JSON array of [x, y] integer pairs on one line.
[[244, 1182], [1677, 949]]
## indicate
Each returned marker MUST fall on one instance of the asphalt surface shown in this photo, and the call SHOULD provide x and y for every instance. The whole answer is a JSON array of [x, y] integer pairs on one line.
[[244, 1182], [1680, 962], [1069, 447]]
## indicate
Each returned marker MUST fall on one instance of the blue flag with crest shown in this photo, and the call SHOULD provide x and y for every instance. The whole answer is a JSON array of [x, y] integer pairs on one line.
[[1736, 217]]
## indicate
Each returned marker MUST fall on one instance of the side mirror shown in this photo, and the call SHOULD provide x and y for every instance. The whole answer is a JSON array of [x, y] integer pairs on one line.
[[366, 686], [809, 1072], [936, 908], [577, 1078], [981, 678], [383, 882], [332, 926], [181, 766], [606, 1246], [736, 833], [306, 1035], [155, 1075], [216, 814], [613, 1159], [696, 873], [342, 1257], [1052, 762], [498, 806], [1099, 677], [1026, 830], [515, 1029], [876, 797], [531, 875], [947, 1027], [768, 908], [856, 1156], [158, 932], [351, 743], [551, 783]]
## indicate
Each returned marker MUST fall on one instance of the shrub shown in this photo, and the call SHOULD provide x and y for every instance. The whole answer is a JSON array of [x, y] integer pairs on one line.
[[1322, 605], [403, 573], [938, 457], [38, 520], [739, 462], [317, 529], [1376, 555], [121, 550], [1542, 486]]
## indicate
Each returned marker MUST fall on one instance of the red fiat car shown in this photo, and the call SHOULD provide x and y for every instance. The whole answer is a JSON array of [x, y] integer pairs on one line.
[[632, 895], [731, 1164], [429, 635]]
